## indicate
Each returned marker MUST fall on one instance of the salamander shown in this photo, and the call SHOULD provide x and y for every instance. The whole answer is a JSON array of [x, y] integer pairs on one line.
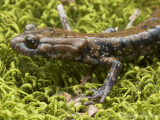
[[97, 49]]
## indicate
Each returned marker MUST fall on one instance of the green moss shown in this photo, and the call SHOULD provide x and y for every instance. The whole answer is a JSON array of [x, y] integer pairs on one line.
[[30, 87]]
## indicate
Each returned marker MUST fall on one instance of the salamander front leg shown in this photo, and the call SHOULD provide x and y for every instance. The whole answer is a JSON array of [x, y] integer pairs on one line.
[[111, 78], [109, 30]]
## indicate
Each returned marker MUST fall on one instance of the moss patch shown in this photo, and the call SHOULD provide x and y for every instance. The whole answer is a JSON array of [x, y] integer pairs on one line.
[[30, 87]]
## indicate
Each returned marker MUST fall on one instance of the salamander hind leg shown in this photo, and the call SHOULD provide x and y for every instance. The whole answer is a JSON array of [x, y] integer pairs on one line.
[[111, 78]]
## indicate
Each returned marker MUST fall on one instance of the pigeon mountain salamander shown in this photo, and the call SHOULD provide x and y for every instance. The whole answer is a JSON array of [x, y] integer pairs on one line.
[[98, 49]]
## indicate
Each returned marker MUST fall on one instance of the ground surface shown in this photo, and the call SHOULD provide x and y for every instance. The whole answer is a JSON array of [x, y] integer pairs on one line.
[[30, 88]]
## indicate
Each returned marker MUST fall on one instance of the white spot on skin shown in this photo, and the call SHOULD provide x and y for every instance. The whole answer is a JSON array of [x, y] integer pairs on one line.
[[148, 47], [120, 52], [118, 65], [98, 47], [104, 54], [97, 54]]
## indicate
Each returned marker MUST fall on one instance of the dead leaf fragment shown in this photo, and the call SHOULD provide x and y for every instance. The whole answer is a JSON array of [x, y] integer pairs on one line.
[[92, 110]]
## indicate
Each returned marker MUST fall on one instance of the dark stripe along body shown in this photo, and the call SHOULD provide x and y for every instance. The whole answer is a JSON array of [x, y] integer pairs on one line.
[[129, 44], [127, 48]]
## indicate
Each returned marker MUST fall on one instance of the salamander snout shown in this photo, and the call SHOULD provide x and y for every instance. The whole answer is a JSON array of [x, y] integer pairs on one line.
[[15, 41], [30, 41], [25, 44]]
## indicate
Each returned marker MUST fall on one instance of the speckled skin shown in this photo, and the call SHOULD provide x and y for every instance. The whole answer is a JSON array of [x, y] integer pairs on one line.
[[99, 49]]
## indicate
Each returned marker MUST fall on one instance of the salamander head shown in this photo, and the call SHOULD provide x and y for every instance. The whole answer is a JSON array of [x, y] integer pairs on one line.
[[47, 42]]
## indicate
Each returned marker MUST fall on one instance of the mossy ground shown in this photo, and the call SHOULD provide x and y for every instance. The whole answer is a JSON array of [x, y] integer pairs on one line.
[[29, 87]]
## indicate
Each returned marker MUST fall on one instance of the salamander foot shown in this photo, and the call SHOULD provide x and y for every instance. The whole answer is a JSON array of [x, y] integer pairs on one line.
[[102, 92]]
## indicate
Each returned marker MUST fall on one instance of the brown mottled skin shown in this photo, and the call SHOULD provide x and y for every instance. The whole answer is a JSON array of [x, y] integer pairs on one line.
[[99, 49]]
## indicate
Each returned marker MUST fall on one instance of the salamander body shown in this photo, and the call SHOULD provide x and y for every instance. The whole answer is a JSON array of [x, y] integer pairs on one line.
[[98, 49]]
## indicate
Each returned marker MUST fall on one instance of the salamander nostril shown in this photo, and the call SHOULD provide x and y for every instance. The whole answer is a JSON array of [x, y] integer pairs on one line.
[[31, 41]]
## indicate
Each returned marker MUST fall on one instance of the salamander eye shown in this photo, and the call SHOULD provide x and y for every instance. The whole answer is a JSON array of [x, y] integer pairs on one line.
[[31, 41]]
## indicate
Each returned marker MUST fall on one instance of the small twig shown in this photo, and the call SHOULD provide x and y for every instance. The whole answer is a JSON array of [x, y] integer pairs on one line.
[[86, 78], [83, 80], [133, 17], [63, 18]]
